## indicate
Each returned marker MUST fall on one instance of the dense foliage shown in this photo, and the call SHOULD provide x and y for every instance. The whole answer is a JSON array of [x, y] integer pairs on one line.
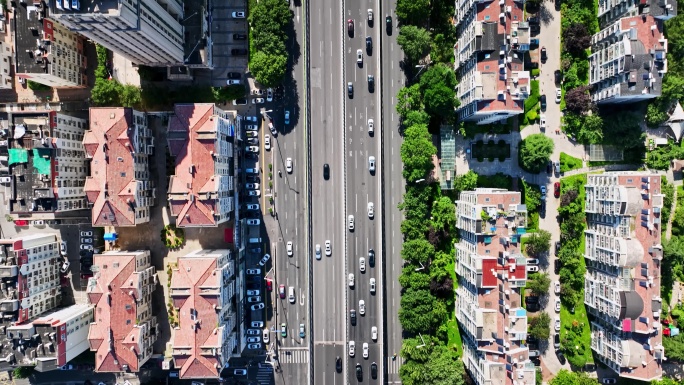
[[270, 25], [535, 152]]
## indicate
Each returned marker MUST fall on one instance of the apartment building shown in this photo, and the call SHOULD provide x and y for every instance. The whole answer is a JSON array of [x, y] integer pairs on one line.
[[49, 342], [489, 59], [29, 277], [629, 54], [492, 273], [147, 32], [202, 140], [202, 291], [124, 329], [47, 52], [623, 252], [42, 161], [6, 55], [119, 189]]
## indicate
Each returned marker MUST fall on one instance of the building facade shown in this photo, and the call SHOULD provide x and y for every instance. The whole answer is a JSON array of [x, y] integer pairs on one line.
[[147, 32], [43, 162], [623, 252], [202, 290], [6, 55], [202, 139], [47, 52], [489, 59], [124, 328], [119, 188], [492, 273], [629, 54]]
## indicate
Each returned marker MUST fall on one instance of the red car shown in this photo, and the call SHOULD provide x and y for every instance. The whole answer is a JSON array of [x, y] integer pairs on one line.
[[350, 27], [281, 291], [556, 189], [269, 285]]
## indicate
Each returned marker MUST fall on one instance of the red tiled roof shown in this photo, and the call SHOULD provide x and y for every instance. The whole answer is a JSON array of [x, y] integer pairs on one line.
[[193, 274], [109, 129], [192, 151], [112, 315], [647, 36]]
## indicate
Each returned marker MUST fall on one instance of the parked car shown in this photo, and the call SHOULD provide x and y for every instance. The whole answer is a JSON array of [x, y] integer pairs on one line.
[[238, 15], [556, 287], [559, 95], [557, 324], [65, 267], [557, 76], [532, 261], [63, 248], [556, 340], [543, 55], [557, 305], [542, 102], [532, 268], [556, 189], [264, 259], [86, 233], [283, 330]]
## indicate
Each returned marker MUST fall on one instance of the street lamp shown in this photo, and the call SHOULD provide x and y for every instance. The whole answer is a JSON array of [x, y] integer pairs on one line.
[[419, 180], [421, 267], [421, 338]]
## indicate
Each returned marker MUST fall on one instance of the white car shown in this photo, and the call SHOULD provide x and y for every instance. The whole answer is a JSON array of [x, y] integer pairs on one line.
[[291, 297], [289, 248], [328, 248], [253, 207], [359, 56], [264, 259], [362, 307], [258, 306], [372, 285], [230, 82], [62, 248], [238, 15], [350, 221], [559, 93], [365, 350], [67, 367], [252, 127], [257, 92], [253, 292], [87, 240], [252, 186], [352, 348], [253, 339], [374, 333], [86, 233], [257, 324], [254, 299], [254, 346], [253, 332], [269, 94], [351, 279], [266, 336], [267, 142], [558, 305], [609, 381], [258, 101], [253, 271], [252, 149], [87, 247], [370, 126], [288, 165], [371, 163], [65, 267], [254, 193], [542, 121], [532, 268], [253, 222], [318, 251], [371, 210], [556, 287], [532, 261], [556, 324], [287, 117], [362, 264]]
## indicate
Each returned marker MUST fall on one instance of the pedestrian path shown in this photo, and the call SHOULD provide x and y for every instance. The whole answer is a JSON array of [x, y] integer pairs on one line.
[[299, 356], [265, 375], [393, 365]]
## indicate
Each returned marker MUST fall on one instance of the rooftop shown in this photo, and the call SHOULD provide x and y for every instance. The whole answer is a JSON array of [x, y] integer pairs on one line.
[[31, 48]]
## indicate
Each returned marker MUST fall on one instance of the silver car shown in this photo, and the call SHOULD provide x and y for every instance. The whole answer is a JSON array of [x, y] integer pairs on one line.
[[371, 163]]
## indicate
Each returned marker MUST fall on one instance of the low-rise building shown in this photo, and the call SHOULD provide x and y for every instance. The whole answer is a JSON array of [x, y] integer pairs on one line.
[[492, 272], [6, 60], [124, 329], [202, 140], [622, 284], [42, 161], [47, 52], [119, 188], [202, 291]]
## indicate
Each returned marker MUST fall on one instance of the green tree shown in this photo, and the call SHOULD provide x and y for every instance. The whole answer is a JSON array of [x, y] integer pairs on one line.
[[269, 70], [444, 215], [438, 75], [414, 228], [420, 311], [414, 41], [539, 283], [416, 153], [35, 86], [23, 372], [535, 151], [429, 362], [410, 278], [673, 85], [409, 99], [412, 12], [414, 117], [466, 182], [231, 92], [106, 93], [440, 101], [130, 95], [417, 251], [565, 377], [674, 347], [538, 243], [440, 267], [539, 326]]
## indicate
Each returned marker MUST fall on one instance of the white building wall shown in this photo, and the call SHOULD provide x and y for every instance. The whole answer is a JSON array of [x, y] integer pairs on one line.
[[70, 162], [5, 66]]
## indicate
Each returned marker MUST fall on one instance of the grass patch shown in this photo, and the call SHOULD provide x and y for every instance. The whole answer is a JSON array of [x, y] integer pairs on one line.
[[471, 129], [499, 180], [454, 342], [568, 162], [491, 150], [531, 104]]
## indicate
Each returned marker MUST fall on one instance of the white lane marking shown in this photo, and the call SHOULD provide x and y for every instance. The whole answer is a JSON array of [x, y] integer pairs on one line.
[[356, 205], [392, 64]]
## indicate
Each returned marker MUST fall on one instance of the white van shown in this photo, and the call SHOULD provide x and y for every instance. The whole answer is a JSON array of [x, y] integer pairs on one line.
[[291, 294]]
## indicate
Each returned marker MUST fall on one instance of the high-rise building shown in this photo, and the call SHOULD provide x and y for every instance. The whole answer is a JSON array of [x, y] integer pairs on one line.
[[147, 32], [119, 188], [622, 284], [489, 59], [492, 272], [202, 291], [42, 159], [202, 140], [124, 329]]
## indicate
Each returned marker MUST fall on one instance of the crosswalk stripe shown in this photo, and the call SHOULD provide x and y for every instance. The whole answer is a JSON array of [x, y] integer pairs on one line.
[[293, 356], [393, 365]]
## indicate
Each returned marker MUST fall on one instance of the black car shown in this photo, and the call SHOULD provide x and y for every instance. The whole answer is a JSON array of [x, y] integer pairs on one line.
[[371, 258], [542, 101], [533, 307], [531, 339], [239, 36], [556, 266], [531, 299], [374, 370], [543, 55], [560, 356], [251, 155], [556, 340], [238, 51], [352, 316], [359, 372], [256, 250], [234, 75], [252, 178], [557, 76], [371, 83], [533, 20], [253, 286], [338, 364], [253, 141], [535, 28], [350, 90], [326, 171], [388, 23], [369, 44], [558, 246]]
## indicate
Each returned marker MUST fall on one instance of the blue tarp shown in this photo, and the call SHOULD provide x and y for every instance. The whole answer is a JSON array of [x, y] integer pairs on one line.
[[111, 237]]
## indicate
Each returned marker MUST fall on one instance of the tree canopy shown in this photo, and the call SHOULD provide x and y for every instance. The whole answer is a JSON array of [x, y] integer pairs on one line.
[[539, 326], [420, 311], [429, 362], [538, 243], [270, 22], [535, 151], [416, 152], [412, 12], [539, 283], [414, 41], [565, 377]]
